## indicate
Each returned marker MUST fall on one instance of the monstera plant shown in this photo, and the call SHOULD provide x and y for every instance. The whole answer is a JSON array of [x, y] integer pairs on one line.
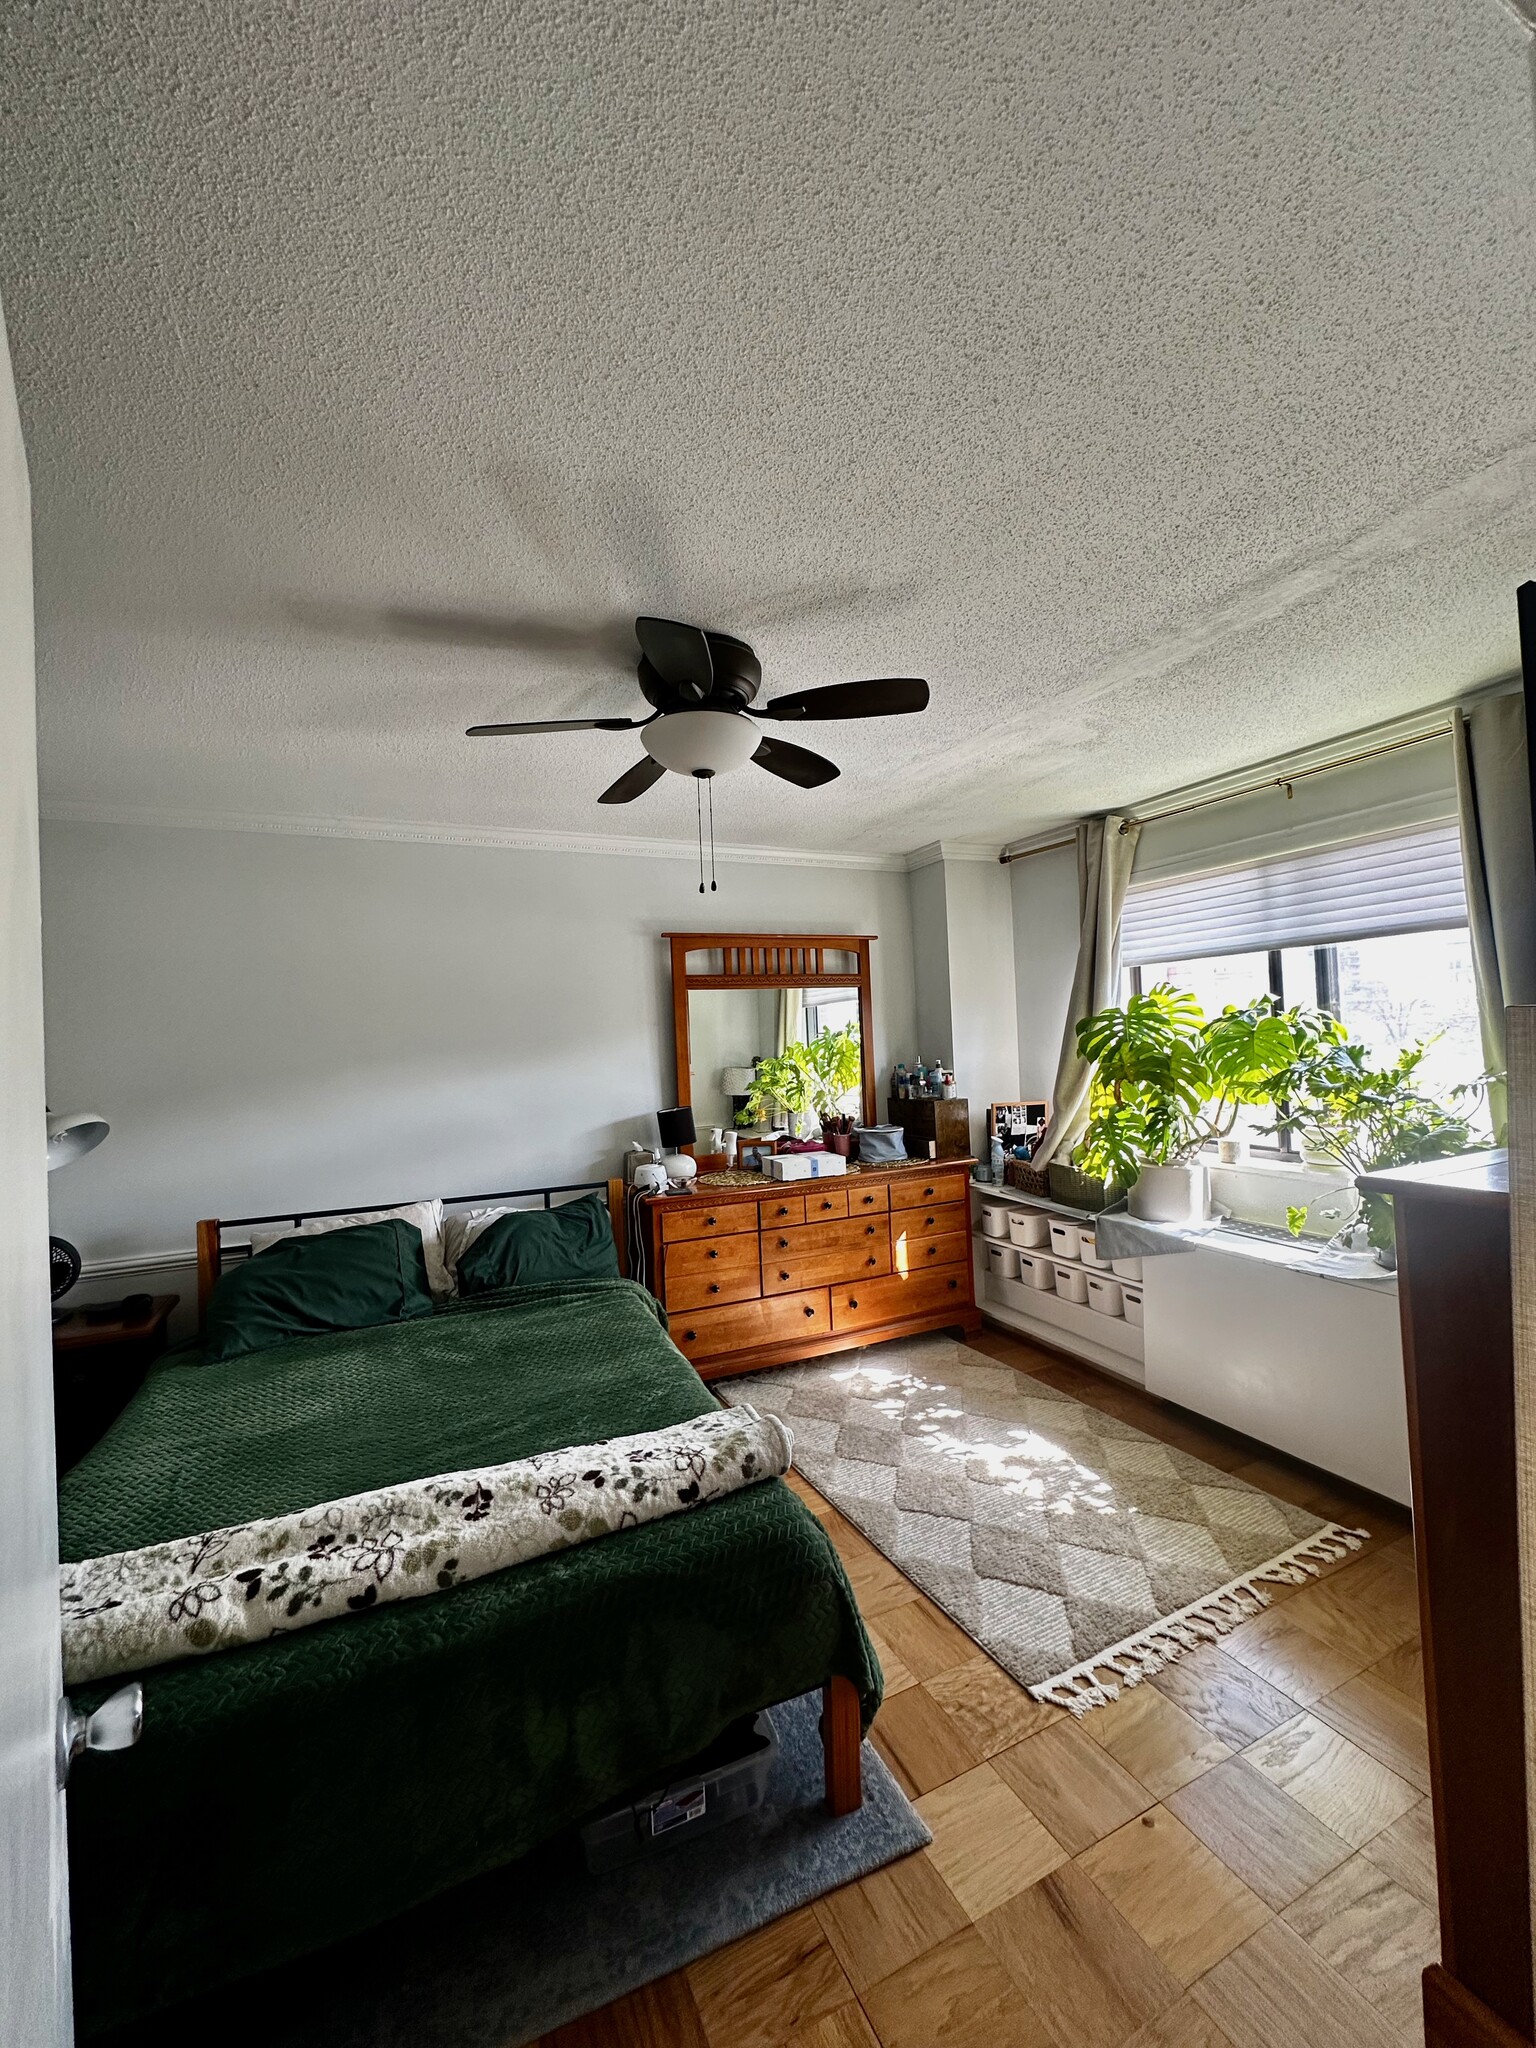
[[817, 1076], [1168, 1081]]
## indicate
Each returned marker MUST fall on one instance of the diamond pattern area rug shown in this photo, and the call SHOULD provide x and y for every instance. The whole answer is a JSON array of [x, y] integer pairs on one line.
[[1078, 1552]]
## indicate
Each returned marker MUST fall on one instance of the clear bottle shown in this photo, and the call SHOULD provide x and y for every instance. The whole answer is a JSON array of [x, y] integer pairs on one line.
[[899, 1082]]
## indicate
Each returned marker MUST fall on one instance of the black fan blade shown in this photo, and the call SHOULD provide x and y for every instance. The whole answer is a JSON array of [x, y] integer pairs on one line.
[[876, 699], [633, 782], [680, 656], [478, 732], [795, 764]]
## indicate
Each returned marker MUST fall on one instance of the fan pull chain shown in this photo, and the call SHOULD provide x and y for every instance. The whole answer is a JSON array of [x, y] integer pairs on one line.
[[711, 835], [698, 805]]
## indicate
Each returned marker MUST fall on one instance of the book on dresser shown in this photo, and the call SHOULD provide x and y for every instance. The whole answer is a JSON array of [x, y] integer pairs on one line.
[[756, 1273]]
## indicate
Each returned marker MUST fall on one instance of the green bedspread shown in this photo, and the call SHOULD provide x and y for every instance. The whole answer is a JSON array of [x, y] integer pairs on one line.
[[363, 1765]]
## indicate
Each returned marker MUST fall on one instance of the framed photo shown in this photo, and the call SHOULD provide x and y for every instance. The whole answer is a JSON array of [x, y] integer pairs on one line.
[[751, 1152]]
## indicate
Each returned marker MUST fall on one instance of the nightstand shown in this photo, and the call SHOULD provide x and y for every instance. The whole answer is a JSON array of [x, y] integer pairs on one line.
[[96, 1367]]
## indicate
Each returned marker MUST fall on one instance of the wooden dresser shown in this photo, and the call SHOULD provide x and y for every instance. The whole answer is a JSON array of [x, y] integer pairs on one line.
[[760, 1272]]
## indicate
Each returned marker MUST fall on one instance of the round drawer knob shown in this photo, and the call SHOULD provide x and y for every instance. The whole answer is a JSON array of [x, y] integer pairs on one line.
[[709, 1222], [870, 1260], [689, 1335], [953, 1285], [714, 1286], [926, 1193], [712, 1253], [808, 1311], [853, 1301], [782, 1274], [783, 1244], [869, 1230]]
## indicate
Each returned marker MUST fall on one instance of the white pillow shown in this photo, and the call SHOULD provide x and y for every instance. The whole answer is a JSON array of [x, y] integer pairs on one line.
[[460, 1232], [427, 1217]]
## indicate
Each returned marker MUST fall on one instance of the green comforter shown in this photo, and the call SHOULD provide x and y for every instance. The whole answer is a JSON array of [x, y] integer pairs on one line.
[[375, 1761]]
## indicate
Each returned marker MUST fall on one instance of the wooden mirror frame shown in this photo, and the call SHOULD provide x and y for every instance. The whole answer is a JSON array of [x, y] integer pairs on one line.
[[771, 960]]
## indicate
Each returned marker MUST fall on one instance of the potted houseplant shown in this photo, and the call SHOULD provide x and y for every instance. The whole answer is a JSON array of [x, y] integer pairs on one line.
[[1168, 1081], [781, 1080], [834, 1065], [1361, 1116]]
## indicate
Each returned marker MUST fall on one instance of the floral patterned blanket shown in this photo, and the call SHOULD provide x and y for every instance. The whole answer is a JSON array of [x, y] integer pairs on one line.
[[238, 1585]]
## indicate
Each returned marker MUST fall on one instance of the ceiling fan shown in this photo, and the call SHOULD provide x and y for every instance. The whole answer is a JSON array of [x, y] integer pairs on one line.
[[700, 685]]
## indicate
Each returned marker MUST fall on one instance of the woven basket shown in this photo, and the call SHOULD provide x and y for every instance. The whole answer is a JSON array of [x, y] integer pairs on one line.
[[1029, 1180], [1077, 1190]]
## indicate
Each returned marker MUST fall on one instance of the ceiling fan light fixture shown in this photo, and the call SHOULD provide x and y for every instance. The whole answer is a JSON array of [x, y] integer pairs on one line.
[[701, 742]]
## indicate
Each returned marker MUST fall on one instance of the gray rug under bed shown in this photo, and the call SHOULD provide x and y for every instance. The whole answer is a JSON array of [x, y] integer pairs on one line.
[[516, 1954]]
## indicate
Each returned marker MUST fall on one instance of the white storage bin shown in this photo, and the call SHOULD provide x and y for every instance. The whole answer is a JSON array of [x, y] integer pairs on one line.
[[1035, 1271], [1002, 1262], [1071, 1281], [994, 1219], [1087, 1248], [1065, 1238], [1130, 1298], [1105, 1295], [1126, 1269], [1029, 1228]]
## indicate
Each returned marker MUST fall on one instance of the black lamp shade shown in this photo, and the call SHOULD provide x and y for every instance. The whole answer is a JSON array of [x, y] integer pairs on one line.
[[676, 1128]]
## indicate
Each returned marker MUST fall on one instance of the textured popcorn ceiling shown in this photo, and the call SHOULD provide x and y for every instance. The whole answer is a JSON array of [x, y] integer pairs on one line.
[[1156, 379]]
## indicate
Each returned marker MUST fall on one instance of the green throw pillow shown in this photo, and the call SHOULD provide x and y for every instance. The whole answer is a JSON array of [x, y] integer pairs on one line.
[[335, 1280], [573, 1242]]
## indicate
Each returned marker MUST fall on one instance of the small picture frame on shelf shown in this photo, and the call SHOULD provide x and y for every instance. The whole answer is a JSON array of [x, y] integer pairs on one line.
[[751, 1152], [1013, 1124]]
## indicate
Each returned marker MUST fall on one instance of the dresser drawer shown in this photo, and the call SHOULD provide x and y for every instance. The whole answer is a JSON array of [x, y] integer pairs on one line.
[[857, 1233], [710, 1332], [801, 1267], [699, 1273], [866, 1302], [920, 1190], [723, 1219], [868, 1197], [825, 1201], [778, 1210], [925, 1254], [937, 1220]]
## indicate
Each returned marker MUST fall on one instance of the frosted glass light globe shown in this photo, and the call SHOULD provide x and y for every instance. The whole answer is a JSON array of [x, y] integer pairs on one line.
[[702, 742]]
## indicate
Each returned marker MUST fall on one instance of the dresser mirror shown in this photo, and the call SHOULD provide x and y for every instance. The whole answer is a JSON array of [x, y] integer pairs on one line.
[[741, 996]]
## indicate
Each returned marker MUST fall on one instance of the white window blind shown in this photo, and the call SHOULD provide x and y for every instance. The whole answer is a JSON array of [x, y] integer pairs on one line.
[[1407, 882]]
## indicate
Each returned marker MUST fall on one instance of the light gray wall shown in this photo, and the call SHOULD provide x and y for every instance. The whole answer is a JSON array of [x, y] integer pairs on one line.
[[933, 1034], [34, 1930], [267, 1019], [983, 1011]]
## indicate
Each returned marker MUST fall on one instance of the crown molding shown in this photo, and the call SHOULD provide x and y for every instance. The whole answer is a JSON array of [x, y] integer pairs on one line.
[[424, 833], [949, 850]]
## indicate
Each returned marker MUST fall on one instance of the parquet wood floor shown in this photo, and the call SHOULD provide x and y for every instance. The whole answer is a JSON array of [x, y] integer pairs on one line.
[[1236, 1855]]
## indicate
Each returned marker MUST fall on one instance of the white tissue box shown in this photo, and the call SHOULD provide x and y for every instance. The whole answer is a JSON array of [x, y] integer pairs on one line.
[[805, 1165]]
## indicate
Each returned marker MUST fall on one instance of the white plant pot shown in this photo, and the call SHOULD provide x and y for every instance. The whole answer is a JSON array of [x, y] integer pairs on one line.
[[1172, 1194]]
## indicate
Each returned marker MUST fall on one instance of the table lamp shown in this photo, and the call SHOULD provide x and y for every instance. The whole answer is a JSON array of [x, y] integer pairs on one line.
[[676, 1129]]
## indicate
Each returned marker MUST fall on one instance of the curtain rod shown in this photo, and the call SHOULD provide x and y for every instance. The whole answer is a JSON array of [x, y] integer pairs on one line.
[[1202, 803]]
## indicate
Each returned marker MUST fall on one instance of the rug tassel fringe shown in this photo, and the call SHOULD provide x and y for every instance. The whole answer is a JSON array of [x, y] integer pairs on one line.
[[1098, 1680]]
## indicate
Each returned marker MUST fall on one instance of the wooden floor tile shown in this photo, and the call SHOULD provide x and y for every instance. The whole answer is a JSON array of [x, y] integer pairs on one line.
[[1332, 1777], [1224, 1696], [1073, 1785], [925, 1639], [884, 1922], [987, 1845], [1368, 1610], [1276, 1847], [1182, 2026], [845, 2028], [659, 2015], [877, 1585], [988, 1708], [1277, 1992], [1403, 1668], [1182, 1900], [1382, 1721], [1290, 1658], [1086, 1973], [894, 1673], [1156, 1741], [957, 1996], [818, 1505], [760, 1991], [1406, 1852], [929, 1748], [1377, 1936]]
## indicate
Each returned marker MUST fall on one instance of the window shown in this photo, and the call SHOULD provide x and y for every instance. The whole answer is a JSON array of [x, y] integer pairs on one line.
[[1375, 932]]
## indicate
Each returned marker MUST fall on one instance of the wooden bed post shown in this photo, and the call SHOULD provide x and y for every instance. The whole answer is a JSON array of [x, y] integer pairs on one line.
[[208, 1259], [841, 1735]]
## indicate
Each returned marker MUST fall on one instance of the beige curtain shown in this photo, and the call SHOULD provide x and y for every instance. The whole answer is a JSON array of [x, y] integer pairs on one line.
[[1106, 847], [1493, 795], [791, 1027]]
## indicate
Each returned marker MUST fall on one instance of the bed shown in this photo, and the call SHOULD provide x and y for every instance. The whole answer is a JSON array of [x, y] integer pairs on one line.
[[290, 1792]]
